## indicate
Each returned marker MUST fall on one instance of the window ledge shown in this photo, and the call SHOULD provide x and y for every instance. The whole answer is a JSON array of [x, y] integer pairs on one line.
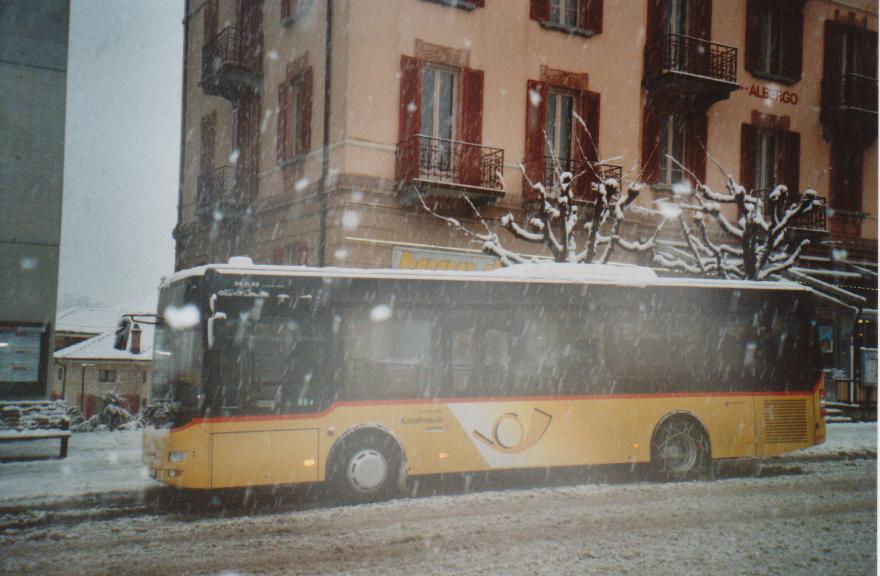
[[773, 77], [460, 4], [573, 30], [295, 160]]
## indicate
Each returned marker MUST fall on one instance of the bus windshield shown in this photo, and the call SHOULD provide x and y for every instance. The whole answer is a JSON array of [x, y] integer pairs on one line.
[[177, 358]]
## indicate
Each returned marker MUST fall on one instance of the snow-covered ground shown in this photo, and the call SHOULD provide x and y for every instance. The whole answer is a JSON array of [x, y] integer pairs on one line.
[[101, 462], [97, 462]]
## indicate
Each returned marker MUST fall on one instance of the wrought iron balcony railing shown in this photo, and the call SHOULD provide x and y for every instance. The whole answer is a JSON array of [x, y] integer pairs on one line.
[[230, 63], [584, 175], [813, 220], [449, 162], [849, 92], [677, 53], [225, 190]]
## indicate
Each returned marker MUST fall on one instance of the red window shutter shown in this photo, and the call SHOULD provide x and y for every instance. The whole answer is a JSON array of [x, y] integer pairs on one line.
[[210, 20], [479, 3], [748, 151], [281, 138], [539, 10], [791, 161], [755, 12], [304, 112], [656, 17], [285, 9], [792, 41], [587, 140], [206, 159], [278, 255], [409, 121], [697, 136], [868, 60], [590, 15], [536, 113], [831, 69], [651, 145], [471, 130], [701, 23]]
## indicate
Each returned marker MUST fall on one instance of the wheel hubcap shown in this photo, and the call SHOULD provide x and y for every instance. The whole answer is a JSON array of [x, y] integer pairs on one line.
[[367, 470]]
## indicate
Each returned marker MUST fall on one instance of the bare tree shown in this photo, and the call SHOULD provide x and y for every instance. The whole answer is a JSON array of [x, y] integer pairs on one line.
[[559, 220], [761, 248]]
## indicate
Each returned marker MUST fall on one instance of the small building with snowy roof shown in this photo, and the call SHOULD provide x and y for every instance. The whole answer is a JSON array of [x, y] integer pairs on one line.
[[79, 323], [84, 372]]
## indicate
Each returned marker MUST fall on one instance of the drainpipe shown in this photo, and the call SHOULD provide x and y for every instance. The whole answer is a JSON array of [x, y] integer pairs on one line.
[[325, 158], [186, 17]]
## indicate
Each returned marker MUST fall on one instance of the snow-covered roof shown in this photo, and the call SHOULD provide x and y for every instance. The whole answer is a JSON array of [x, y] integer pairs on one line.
[[84, 320], [549, 273], [101, 347]]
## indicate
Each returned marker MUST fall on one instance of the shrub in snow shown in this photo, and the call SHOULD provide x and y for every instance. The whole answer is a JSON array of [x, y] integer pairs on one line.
[[113, 416], [158, 415]]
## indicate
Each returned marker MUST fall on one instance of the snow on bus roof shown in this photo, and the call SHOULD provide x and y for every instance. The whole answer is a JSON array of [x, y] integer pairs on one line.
[[551, 272]]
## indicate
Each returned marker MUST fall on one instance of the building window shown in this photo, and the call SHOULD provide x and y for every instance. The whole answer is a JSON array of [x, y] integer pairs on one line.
[[106, 375], [671, 152], [560, 108], [564, 12], [767, 160], [438, 113], [144, 377], [579, 17], [774, 39], [676, 17], [770, 42], [295, 114]]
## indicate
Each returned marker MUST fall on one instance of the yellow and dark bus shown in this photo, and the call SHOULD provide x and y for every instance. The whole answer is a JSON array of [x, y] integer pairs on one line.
[[365, 378]]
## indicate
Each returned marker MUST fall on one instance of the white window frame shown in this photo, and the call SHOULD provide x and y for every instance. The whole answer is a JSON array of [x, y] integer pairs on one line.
[[670, 172], [436, 70], [771, 26], [553, 148], [767, 154], [561, 11]]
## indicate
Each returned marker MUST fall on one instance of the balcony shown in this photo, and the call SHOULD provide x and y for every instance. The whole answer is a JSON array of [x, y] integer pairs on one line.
[[440, 168], [230, 66], [585, 176], [684, 71], [849, 102], [225, 193], [811, 222]]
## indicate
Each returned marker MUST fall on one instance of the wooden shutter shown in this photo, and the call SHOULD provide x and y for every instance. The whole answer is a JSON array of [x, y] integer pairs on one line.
[[868, 59], [281, 150], [791, 161], [651, 145], [831, 69], [696, 138], [589, 110], [409, 117], [748, 151], [479, 3], [304, 112], [278, 255], [792, 41], [656, 17], [210, 20], [539, 10], [701, 19], [471, 130], [536, 115], [755, 13], [590, 15], [206, 157], [285, 9]]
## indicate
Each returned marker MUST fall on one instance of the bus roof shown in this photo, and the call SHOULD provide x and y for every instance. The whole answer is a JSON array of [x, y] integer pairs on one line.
[[545, 273]]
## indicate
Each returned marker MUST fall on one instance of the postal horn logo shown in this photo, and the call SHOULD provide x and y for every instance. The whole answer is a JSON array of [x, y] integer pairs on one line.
[[508, 436]]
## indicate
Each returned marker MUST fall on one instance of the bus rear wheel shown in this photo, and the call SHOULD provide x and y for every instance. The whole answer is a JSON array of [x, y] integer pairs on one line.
[[680, 449], [366, 467]]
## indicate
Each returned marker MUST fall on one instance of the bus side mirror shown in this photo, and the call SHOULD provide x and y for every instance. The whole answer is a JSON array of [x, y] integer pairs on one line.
[[120, 342], [221, 316]]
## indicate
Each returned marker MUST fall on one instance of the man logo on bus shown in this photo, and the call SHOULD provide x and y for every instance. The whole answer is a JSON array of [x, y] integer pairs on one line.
[[507, 432]]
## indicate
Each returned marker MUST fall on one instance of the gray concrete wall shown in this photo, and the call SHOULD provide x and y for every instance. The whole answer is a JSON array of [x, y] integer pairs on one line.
[[33, 80]]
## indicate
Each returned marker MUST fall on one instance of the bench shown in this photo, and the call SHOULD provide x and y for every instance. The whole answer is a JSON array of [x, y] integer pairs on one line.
[[35, 420]]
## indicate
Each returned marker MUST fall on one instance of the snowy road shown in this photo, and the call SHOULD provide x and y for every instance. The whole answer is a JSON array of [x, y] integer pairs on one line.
[[799, 517]]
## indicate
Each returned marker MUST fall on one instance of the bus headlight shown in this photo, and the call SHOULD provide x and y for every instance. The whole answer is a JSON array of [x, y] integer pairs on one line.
[[177, 457]]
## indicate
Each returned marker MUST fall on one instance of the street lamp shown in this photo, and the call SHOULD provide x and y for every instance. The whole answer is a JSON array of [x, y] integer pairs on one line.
[[82, 392]]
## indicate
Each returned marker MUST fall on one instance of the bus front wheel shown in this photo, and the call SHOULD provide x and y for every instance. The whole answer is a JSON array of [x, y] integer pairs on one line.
[[680, 449], [366, 467]]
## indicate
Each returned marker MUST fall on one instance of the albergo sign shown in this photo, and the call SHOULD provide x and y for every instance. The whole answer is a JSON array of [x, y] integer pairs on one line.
[[767, 93]]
